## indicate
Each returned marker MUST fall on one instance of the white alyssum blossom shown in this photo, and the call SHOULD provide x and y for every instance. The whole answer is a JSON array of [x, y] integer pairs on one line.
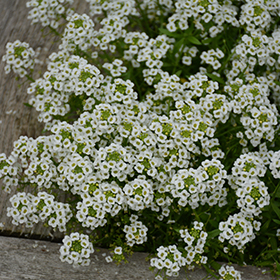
[[8, 171], [138, 194], [194, 239], [79, 32], [229, 272], [118, 250], [155, 8], [136, 154], [247, 166], [238, 230], [212, 57], [68, 75], [121, 8], [256, 14], [48, 12], [19, 57], [98, 200], [217, 105], [274, 165], [200, 84], [168, 258], [30, 209], [199, 186], [76, 249], [136, 232], [155, 51], [119, 90], [189, 53], [253, 196], [258, 115], [134, 41], [116, 69], [210, 11]]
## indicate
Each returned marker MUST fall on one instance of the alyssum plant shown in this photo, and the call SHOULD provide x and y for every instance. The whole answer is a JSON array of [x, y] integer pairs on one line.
[[163, 121]]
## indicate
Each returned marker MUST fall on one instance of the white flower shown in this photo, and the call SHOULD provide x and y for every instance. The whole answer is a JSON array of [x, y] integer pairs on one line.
[[238, 230], [118, 250], [108, 259], [19, 58], [229, 271], [76, 249]]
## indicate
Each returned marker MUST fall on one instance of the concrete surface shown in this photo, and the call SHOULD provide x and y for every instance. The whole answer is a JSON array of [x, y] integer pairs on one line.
[[27, 259]]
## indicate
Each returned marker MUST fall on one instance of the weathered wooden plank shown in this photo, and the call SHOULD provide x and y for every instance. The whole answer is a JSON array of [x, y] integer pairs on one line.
[[30, 259], [21, 119]]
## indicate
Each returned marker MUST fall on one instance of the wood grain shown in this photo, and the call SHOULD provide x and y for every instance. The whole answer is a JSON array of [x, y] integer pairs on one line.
[[23, 259], [13, 94]]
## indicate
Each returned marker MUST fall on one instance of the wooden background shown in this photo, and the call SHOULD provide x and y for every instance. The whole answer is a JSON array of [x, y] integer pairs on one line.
[[21, 120]]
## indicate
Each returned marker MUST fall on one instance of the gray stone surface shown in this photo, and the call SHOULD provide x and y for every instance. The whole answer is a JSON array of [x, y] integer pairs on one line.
[[27, 259]]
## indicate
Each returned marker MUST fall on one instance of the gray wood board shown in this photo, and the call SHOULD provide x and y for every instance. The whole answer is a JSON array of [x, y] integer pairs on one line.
[[23, 259], [13, 94]]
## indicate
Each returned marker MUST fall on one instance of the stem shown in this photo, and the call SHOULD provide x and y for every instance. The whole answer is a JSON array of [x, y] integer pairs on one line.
[[54, 31], [275, 191], [30, 78], [196, 216], [145, 19]]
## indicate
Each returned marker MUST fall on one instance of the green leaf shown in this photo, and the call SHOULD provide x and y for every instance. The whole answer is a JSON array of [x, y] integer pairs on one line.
[[278, 267], [215, 265], [215, 78], [213, 223], [178, 45], [207, 41], [277, 193], [264, 263], [175, 34], [193, 40], [28, 105], [210, 271], [167, 64], [273, 243], [265, 226], [276, 209], [204, 218], [213, 233], [276, 221], [178, 73], [170, 34], [277, 83]]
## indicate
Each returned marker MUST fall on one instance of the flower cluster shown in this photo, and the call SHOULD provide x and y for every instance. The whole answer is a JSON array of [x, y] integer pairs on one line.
[[228, 272], [212, 57], [170, 259], [238, 230], [136, 232], [200, 186], [195, 239], [20, 58], [162, 122], [275, 165], [76, 249], [251, 191], [79, 32], [30, 209], [115, 67], [64, 80], [48, 12]]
